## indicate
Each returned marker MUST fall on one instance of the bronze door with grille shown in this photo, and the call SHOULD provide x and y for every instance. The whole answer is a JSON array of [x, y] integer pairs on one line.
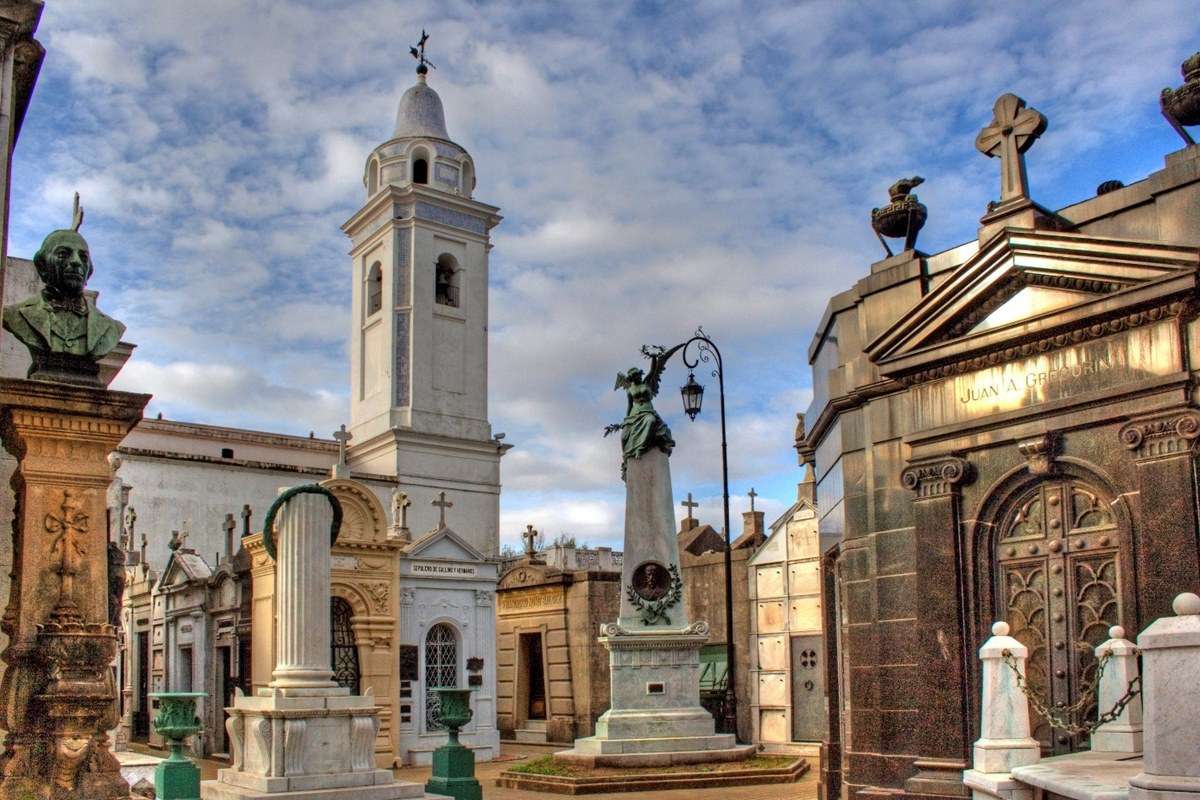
[[1059, 572]]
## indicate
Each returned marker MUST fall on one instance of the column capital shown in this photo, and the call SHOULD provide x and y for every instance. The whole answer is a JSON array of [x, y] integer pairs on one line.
[[937, 477], [1040, 452], [1161, 435]]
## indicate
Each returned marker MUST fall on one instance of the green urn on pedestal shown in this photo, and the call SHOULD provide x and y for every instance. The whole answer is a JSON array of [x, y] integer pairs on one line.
[[454, 764], [177, 778]]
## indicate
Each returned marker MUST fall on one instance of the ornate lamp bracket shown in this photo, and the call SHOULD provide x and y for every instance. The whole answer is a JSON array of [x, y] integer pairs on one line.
[[1040, 452], [1162, 435], [937, 478]]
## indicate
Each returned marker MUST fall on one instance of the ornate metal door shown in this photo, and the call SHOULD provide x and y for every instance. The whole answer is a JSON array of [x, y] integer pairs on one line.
[[1059, 567], [344, 658], [441, 669]]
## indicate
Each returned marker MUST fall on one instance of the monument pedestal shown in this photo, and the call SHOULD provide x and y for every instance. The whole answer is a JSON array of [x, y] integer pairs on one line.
[[654, 716], [58, 694]]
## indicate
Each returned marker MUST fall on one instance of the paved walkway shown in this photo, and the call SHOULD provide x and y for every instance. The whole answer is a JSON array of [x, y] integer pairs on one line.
[[511, 754]]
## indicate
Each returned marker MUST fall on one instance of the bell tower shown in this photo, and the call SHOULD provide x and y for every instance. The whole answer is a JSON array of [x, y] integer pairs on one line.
[[419, 253]]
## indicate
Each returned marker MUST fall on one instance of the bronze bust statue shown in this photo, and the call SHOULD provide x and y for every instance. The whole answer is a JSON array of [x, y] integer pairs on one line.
[[65, 333]]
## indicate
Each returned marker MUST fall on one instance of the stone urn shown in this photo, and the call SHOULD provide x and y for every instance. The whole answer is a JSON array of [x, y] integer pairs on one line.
[[454, 710], [1183, 104], [177, 778]]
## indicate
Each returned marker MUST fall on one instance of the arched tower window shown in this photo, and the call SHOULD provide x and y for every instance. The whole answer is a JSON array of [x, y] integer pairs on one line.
[[468, 178], [344, 654], [441, 669], [372, 177], [420, 165], [374, 288], [446, 281]]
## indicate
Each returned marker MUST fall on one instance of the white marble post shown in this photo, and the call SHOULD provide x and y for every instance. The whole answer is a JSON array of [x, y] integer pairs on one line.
[[1170, 676], [1123, 734], [302, 593], [1004, 733]]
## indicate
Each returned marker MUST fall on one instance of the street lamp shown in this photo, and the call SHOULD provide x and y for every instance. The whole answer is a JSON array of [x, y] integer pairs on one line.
[[693, 394]]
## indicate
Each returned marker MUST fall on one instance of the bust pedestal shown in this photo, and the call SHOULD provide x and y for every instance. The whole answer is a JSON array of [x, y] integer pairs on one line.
[[59, 697]]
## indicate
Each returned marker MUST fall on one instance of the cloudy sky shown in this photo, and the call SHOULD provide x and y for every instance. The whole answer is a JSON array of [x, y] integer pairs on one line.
[[659, 166]]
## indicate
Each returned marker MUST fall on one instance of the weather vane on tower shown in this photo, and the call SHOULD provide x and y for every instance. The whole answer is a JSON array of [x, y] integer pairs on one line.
[[418, 52]]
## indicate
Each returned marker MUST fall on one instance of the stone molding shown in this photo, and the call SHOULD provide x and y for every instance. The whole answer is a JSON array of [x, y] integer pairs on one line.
[[938, 478], [1040, 452], [1161, 435]]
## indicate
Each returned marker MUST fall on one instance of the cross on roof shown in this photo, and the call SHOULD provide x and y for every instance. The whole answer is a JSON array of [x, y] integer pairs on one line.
[[1013, 130], [753, 494], [400, 504], [343, 436], [418, 52], [442, 503], [529, 536], [689, 504], [246, 519]]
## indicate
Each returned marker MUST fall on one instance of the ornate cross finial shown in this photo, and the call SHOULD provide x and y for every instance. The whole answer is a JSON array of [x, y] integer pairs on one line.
[[529, 537], [230, 526], [76, 214], [689, 504], [418, 52], [340, 470], [400, 504], [442, 503], [246, 519], [752, 494], [1014, 128]]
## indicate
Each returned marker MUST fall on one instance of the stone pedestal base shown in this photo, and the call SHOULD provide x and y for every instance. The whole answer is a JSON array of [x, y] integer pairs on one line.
[[454, 773], [655, 717], [1160, 787], [313, 744]]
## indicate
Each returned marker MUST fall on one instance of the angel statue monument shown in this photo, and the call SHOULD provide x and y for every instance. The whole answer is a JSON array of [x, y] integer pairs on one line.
[[655, 649], [65, 333]]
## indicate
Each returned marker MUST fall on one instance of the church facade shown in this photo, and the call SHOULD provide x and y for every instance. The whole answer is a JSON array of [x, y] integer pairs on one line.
[[1004, 430]]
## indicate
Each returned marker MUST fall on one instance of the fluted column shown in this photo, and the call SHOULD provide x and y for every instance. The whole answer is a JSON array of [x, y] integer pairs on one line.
[[302, 593]]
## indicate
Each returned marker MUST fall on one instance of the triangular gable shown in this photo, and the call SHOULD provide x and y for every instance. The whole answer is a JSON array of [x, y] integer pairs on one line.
[[774, 549], [187, 566], [700, 540], [1102, 274], [444, 543]]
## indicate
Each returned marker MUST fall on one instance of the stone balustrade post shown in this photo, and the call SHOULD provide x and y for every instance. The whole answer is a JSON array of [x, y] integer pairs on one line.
[[302, 594], [1123, 734], [1004, 732], [1170, 670]]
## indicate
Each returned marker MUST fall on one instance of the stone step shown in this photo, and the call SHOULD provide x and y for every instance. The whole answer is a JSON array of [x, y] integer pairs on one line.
[[535, 724], [528, 736], [597, 745]]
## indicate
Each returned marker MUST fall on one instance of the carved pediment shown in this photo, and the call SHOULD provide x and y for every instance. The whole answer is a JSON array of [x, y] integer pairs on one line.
[[444, 543], [363, 517], [1028, 285], [524, 575]]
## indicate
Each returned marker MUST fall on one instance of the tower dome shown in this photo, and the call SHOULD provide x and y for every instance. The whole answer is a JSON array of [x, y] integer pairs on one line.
[[420, 113]]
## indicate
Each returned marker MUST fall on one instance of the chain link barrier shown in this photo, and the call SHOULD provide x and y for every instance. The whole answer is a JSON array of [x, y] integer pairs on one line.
[[1063, 717]]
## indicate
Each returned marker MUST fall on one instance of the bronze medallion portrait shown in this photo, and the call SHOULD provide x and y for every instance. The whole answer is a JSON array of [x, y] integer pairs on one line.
[[651, 580]]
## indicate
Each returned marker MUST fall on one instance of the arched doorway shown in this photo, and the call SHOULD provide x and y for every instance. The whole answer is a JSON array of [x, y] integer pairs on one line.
[[1059, 563], [441, 669], [344, 653]]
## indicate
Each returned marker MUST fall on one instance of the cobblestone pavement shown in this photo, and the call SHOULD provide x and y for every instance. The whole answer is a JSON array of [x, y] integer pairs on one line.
[[805, 789]]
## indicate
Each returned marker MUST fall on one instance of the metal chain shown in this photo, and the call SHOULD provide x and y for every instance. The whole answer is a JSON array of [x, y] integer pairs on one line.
[[1063, 718]]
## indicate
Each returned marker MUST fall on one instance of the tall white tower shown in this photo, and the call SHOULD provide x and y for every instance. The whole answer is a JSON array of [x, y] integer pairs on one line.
[[419, 324]]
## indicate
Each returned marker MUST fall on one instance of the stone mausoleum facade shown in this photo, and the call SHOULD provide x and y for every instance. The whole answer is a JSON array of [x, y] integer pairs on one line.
[[1002, 430]]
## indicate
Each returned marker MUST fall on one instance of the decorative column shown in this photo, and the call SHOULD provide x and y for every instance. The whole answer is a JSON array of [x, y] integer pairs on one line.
[[1004, 734], [1170, 655], [940, 737], [1123, 734], [1166, 541], [58, 694], [302, 636]]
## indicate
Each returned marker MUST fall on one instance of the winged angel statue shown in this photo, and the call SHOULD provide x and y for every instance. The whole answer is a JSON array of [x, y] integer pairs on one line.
[[642, 429]]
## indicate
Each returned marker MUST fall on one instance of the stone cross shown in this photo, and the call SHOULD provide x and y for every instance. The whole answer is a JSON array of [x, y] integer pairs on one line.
[[442, 503], [1014, 128], [67, 529], [529, 537], [340, 470], [689, 504], [246, 519], [130, 521], [230, 526], [752, 494], [400, 504], [143, 548]]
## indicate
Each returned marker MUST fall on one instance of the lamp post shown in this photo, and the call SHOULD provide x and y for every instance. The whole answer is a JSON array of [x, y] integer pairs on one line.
[[706, 351]]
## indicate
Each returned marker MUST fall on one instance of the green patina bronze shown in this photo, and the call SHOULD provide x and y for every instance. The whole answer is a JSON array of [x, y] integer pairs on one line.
[[177, 778], [311, 488], [454, 764], [65, 333], [643, 429]]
